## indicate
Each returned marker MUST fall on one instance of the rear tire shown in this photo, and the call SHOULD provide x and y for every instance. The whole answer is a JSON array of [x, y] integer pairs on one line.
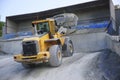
[[55, 56], [68, 48]]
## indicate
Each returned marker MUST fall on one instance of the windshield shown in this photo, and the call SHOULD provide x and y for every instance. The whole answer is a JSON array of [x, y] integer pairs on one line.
[[42, 27]]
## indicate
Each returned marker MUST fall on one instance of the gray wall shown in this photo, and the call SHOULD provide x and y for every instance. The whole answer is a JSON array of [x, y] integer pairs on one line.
[[113, 43], [11, 46], [11, 26], [112, 13], [82, 43], [25, 26], [93, 15], [89, 42], [117, 14]]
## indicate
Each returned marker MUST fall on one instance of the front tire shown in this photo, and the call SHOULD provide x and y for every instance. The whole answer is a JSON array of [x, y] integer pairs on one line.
[[55, 56]]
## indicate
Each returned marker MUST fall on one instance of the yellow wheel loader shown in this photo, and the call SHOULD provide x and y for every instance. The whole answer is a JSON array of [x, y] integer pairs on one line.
[[48, 45]]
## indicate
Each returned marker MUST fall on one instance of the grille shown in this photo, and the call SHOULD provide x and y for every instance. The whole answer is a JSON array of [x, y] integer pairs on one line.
[[29, 48]]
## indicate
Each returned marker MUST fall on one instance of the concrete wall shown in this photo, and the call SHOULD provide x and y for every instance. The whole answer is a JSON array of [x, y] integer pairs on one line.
[[11, 26], [25, 26], [117, 14], [112, 13], [89, 42], [11, 46], [82, 43], [93, 15], [113, 43]]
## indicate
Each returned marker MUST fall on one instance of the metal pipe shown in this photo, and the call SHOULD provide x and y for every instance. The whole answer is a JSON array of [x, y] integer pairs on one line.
[[35, 28]]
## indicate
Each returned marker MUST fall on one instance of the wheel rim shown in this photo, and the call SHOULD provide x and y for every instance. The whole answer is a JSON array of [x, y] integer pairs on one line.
[[71, 48], [59, 55]]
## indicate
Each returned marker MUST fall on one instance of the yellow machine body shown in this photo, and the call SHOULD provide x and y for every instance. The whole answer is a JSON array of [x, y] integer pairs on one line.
[[44, 42]]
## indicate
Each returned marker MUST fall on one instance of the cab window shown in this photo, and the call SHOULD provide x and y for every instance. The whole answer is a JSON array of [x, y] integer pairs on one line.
[[42, 27]]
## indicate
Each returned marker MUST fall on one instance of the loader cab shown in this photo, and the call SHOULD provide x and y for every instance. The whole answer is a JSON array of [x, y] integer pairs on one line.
[[44, 26]]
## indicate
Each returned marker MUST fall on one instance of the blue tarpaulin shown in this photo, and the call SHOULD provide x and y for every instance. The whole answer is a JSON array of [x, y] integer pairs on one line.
[[103, 24], [13, 35], [10, 35], [24, 33]]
